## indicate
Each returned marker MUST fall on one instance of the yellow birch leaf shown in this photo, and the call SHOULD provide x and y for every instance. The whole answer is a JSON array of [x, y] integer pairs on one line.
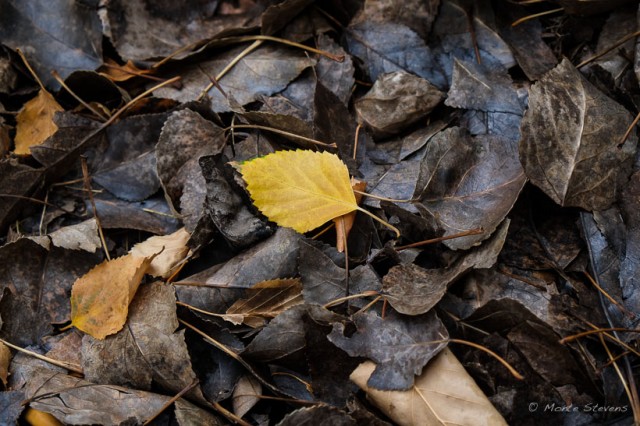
[[300, 189], [100, 298], [170, 249], [35, 122], [35, 417]]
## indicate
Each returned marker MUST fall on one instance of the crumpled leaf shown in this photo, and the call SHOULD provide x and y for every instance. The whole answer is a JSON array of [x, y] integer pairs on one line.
[[467, 183], [300, 189], [148, 350], [100, 299], [570, 137], [413, 290], [55, 35], [396, 100], [167, 252], [246, 394], [266, 300], [401, 346], [443, 394], [82, 236], [185, 137], [35, 122]]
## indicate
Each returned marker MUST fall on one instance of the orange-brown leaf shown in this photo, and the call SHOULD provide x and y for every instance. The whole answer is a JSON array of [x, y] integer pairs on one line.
[[100, 299], [345, 223], [35, 122], [5, 358]]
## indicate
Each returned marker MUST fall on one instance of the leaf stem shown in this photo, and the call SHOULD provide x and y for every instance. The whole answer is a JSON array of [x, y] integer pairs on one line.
[[280, 132], [374, 217]]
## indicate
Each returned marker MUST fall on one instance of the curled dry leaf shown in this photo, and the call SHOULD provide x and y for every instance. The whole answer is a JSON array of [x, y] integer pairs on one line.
[[35, 122], [170, 249], [443, 394], [300, 189], [100, 299], [266, 300]]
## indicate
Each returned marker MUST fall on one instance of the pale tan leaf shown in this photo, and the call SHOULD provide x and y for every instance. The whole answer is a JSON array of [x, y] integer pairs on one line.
[[265, 300], [444, 394], [170, 250], [82, 236], [246, 395], [300, 189], [100, 298], [35, 122]]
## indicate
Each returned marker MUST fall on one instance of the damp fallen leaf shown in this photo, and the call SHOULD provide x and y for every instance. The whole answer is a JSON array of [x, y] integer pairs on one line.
[[100, 299], [301, 189], [5, 359], [35, 122]]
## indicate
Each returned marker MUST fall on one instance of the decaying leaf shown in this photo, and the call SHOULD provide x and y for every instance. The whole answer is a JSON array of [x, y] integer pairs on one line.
[[35, 122], [82, 236], [317, 416], [300, 189], [396, 100], [100, 299], [265, 300], [443, 394], [401, 346], [169, 251], [570, 140]]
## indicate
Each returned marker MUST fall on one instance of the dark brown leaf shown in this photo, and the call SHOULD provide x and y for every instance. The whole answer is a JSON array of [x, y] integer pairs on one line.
[[146, 350], [413, 290], [570, 138], [318, 416]]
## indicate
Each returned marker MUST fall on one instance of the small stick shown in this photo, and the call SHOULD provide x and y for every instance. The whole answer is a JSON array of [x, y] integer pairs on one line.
[[476, 231], [66, 365], [87, 185], [76, 97], [281, 132], [172, 400], [536, 15]]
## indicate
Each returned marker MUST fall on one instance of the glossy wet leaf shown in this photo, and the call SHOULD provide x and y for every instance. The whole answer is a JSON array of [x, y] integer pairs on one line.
[[300, 189]]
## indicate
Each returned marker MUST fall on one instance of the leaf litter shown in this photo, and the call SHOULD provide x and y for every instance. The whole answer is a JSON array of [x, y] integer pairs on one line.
[[497, 269]]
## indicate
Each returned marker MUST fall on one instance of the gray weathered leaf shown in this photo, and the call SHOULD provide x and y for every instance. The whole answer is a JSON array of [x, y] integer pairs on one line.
[[467, 183], [570, 140], [386, 47], [263, 72], [55, 35], [474, 86], [400, 346]]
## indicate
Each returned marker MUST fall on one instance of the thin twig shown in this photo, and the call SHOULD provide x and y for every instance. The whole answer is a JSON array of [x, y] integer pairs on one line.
[[66, 365], [476, 231], [87, 185], [281, 132], [536, 15], [172, 400]]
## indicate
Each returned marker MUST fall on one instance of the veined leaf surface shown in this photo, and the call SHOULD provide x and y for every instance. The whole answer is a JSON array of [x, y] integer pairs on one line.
[[300, 189]]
